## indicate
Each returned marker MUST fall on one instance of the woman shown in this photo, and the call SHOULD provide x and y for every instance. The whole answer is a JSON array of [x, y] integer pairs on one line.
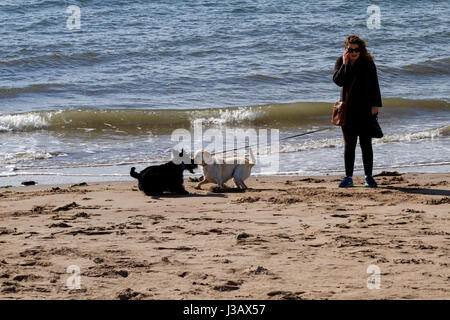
[[362, 105]]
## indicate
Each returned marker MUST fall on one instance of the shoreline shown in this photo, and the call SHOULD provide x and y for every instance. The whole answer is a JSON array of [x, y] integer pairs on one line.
[[287, 237], [125, 177]]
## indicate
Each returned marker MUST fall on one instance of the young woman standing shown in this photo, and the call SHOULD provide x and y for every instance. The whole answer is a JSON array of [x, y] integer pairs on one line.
[[362, 105]]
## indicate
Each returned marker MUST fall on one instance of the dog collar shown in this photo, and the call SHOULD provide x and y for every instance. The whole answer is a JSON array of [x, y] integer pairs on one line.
[[182, 165]]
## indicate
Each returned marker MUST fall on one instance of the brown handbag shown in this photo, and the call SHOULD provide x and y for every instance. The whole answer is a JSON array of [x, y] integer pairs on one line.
[[340, 108]]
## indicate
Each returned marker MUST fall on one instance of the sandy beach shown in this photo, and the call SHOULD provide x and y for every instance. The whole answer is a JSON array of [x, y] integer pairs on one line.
[[284, 238]]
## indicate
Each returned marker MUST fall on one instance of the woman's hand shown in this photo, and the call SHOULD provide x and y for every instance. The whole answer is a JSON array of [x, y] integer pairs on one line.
[[374, 110], [346, 57]]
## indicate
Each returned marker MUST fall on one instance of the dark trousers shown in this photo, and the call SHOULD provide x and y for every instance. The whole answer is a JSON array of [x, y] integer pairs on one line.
[[349, 153]]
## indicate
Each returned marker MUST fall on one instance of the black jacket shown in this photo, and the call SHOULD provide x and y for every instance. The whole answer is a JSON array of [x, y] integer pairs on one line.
[[365, 93]]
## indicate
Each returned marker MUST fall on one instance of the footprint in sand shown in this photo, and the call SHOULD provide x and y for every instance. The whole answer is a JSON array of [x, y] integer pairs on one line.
[[129, 294], [26, 277], [286, 295], [228, 286], [59, 225], [253, 271]]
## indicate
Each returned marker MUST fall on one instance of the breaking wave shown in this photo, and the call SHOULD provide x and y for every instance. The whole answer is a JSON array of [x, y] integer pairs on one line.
[[164, 121]]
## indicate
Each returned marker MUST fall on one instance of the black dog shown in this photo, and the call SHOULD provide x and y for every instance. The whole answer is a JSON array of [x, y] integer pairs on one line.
[[154, 180]]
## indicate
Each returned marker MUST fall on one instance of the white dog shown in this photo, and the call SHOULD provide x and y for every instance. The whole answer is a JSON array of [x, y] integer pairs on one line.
[[220, 170]]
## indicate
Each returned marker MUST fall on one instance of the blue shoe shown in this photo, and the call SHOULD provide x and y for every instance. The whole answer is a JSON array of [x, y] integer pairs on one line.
[[347, 182], [370, 182]]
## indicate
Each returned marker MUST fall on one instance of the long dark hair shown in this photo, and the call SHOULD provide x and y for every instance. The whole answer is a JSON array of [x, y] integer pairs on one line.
[[354, 39]]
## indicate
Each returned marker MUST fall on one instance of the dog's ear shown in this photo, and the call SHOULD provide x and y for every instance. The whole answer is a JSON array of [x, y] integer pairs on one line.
[[202, 157], [191, 168], [207, 158], [176, 158]]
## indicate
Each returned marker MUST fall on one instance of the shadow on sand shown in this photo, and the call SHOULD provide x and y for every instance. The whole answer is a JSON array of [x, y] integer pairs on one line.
[[190, 195], [434, 192]]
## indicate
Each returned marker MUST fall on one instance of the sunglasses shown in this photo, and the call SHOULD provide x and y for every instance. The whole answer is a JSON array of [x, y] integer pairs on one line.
[[350, 50]]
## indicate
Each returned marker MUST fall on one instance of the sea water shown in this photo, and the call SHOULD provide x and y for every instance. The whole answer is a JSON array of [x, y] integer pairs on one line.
[[85, 95]]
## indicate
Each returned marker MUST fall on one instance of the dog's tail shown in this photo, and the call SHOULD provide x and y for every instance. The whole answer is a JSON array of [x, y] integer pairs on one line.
[[134, 174], [252, 156]]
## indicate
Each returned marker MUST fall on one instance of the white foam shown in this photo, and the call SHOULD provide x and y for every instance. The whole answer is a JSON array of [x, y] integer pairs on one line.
[[312, 145], [230, 116], [26, 156], [21, 122], [427, 134], [339, 142], [94, 165]]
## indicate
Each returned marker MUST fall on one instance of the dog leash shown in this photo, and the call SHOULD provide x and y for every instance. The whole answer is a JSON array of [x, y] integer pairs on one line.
[[285, 138]]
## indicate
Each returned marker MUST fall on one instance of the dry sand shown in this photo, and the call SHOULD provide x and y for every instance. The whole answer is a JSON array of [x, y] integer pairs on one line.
[[285, 238]]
